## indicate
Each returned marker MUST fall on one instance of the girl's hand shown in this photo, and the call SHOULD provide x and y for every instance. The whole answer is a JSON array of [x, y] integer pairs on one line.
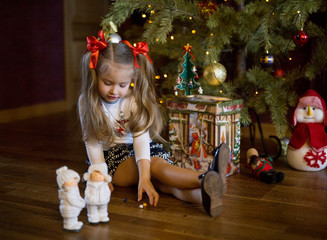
[[145, 185], [111, 187]]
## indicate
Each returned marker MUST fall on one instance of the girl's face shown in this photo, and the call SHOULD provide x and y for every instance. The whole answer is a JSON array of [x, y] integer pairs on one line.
[[114, 84]]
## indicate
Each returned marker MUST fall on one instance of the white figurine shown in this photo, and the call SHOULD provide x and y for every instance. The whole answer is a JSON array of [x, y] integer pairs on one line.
[[71, 202], [97, 193]]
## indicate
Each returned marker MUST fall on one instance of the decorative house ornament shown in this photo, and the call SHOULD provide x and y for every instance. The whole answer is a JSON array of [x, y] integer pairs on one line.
[[198, 124]]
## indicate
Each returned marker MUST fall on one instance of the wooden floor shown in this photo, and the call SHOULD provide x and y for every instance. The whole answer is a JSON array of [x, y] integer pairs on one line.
[[32, 150]]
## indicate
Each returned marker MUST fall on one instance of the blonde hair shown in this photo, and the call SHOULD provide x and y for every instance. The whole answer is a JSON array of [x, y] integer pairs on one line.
[[95, 123]]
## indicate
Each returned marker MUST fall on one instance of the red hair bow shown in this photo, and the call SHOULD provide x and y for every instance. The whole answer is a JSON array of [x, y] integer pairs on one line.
[[94, 46], [140, 48]]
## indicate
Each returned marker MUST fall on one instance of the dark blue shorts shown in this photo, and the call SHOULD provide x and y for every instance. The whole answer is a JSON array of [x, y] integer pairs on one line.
[[119, 153]]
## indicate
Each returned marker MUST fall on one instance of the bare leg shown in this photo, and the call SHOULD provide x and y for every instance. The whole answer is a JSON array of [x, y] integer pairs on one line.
[[183, 184], [126, 174], [174, 176], [187, 195]]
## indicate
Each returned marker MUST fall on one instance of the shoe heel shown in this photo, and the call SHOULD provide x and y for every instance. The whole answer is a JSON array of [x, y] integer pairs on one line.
[[212, 193]]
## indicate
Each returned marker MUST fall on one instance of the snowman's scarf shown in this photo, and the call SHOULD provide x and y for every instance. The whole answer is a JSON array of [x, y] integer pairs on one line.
[[314, 132]]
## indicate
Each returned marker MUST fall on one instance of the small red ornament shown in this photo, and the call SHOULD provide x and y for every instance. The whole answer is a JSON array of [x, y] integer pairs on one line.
[[300, 38], [279, 73]]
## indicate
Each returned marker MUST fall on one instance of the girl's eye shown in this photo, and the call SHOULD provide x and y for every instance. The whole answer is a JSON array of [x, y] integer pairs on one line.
[[107, 83], [123, 85]]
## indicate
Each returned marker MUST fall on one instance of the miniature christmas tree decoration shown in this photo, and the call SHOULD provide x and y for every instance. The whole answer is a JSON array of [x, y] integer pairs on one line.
[[71, 203], [186, 80]]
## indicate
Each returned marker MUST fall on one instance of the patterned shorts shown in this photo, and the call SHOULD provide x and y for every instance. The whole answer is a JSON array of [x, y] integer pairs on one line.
[[119, 153]]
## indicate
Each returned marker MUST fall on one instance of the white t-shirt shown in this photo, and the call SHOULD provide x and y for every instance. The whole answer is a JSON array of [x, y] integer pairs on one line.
[[119, 114]]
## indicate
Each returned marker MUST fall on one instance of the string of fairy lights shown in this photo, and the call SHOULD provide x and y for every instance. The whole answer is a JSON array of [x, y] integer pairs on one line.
[[266, 60]]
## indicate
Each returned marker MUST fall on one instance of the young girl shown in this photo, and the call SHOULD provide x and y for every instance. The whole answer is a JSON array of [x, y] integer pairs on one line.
[[120, 119]]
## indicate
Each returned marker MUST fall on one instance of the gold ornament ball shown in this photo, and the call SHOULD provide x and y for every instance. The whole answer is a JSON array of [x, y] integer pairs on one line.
[[215, 74]]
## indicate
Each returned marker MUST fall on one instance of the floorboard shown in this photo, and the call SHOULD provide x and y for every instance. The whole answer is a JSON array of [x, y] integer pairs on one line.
[[32, 150]]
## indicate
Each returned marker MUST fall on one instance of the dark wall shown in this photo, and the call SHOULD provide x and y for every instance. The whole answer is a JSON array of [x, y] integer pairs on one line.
[[32, 53]]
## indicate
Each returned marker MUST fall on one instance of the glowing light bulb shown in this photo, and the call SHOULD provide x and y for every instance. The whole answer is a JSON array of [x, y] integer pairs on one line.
[[157, 77], [193, 31], [172, 37], [165, 75], [143, 15], [150, 21], [207, 53], [134, 44], [190, 18], [290, 59], [256, 92], [157, 39]]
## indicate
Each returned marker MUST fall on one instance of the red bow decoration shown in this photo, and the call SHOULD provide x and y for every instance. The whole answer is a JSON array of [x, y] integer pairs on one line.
[[94, 46], [187, 48], [141, 48]]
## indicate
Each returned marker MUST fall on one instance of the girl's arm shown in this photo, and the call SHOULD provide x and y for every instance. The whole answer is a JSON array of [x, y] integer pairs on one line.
[[95, 154], [94, 151], [141, 145], [145, 184]]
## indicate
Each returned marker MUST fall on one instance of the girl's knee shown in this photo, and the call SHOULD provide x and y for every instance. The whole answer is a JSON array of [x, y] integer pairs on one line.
[[157, 161]]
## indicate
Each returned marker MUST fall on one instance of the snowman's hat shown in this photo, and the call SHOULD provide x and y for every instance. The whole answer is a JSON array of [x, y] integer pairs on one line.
[[312, 98]]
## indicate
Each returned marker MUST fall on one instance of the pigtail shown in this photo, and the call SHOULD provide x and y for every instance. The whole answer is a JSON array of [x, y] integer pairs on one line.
[[149, 116], [94, 122]]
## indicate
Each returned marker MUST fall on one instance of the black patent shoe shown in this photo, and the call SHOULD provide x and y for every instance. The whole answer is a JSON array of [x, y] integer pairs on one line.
[[220, 162], [212, 193]]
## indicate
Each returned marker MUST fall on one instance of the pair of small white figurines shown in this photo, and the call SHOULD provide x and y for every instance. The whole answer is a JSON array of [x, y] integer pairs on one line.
[[97, 196]]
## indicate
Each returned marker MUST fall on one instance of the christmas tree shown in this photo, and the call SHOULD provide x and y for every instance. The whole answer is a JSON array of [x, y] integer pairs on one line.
[[186, 79], [257, 41]]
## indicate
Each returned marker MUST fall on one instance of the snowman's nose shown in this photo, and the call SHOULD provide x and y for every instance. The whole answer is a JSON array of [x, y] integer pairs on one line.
[[309, 111]]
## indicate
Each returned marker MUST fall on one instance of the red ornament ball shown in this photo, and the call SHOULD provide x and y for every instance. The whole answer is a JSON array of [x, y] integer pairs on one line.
[[300, 38], [279, 73]]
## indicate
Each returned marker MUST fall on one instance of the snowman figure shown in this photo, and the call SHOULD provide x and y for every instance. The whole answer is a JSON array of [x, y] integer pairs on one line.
[[307, 149]]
